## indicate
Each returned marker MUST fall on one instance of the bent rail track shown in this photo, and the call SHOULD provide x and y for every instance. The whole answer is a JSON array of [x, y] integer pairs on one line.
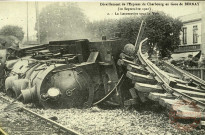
[[182, 93], [45, 125]]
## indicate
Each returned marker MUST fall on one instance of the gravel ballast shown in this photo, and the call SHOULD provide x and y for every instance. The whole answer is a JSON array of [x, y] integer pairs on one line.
[[95, 121]]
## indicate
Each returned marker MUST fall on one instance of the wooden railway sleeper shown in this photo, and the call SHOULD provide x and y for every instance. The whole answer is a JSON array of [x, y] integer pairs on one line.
[[164, 81], [155, 69]]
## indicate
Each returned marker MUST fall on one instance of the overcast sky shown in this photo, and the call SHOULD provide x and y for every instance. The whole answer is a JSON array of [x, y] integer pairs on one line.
[[14, 13]]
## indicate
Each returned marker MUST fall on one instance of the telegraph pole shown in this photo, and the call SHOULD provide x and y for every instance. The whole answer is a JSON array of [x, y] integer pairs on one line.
[[37, 20], [27, 22]]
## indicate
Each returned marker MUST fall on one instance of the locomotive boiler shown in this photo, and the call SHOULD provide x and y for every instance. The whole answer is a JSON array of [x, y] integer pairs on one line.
[[66, 74]]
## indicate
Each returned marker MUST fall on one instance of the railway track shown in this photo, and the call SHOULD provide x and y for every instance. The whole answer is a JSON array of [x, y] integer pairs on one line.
[[19, 120], [182, 93]]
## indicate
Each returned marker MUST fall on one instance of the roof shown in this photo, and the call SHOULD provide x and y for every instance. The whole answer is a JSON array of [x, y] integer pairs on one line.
[[190, 17], [181, 56]]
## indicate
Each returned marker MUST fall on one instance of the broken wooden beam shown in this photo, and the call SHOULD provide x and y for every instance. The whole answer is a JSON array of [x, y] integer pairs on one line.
[[168, 102], [125, 62], [186, 87], [200, 99], [156, 96], [137, 69], [140, 78], [191, 93], [185, 111], [144, 87]]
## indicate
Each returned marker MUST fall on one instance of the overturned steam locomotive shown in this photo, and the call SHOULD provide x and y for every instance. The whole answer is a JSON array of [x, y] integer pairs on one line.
[[66, 74]]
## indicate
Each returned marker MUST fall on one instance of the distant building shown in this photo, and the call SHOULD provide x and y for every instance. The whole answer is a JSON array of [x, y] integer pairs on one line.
[[191, 36], [191, 31]]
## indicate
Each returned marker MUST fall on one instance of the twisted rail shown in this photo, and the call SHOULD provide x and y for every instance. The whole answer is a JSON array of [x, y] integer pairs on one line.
[[164, 80]]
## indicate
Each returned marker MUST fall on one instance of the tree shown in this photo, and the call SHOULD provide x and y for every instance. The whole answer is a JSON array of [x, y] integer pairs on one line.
[[10, 30], [62, 21], [9, 41], [161, 30]]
